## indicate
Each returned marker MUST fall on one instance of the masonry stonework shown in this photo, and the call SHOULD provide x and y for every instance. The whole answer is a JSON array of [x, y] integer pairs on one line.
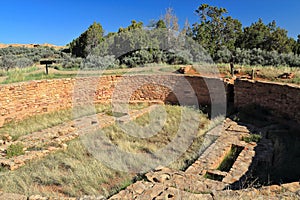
[[21, 100], [282, 99]]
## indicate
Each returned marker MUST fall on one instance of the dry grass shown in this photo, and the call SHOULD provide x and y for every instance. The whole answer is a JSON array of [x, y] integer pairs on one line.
[[269, 73], [38, 73], [153, 143], [43, 121], [70, 173], [140, 144], [48, 120], [75, 172]]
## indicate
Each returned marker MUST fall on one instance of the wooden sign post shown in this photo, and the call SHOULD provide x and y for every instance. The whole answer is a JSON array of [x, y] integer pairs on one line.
[[47, 63]]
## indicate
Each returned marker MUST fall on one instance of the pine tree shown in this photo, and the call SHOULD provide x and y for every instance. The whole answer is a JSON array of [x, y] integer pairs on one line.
[[87, 41]]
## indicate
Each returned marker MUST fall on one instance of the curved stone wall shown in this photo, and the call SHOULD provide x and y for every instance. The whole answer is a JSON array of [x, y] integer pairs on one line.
[[283, 99], [21, 100]]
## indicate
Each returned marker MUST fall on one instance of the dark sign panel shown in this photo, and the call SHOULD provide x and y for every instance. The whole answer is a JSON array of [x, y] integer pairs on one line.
[[47, 62]]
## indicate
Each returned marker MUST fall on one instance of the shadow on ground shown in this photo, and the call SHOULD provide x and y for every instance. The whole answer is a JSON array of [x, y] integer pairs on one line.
[[277, 159]]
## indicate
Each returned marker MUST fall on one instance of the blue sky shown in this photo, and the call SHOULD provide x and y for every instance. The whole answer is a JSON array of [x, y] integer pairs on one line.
[[60, 21]]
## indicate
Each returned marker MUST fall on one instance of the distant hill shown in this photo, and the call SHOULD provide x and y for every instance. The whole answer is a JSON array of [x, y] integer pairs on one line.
[[31, 45]]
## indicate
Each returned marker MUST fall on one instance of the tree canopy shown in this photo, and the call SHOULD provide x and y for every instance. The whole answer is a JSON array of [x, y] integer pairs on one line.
[[215, 30], [266, 37], [87, 41]]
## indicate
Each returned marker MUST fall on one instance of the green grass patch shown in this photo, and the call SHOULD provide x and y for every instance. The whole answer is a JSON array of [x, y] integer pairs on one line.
[[116, 114], [295, 80], [14, 71], [121, 186], [20, 77], [15, 150], [252, 138], [230, 158]]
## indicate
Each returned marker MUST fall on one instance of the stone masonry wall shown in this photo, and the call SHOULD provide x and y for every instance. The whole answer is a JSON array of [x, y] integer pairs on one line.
[[281, 98], [21, 100]]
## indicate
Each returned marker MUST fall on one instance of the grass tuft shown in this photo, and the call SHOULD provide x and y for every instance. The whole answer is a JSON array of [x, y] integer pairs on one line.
[[230, 158], [252, 138], [15, 150], [48, 120], [75, 172]]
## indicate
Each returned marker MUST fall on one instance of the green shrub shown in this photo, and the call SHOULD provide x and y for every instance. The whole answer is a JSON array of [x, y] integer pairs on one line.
[[99, 62], [252, 138], [20, 57], [223, 55], [258, 56], [15, 150]]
